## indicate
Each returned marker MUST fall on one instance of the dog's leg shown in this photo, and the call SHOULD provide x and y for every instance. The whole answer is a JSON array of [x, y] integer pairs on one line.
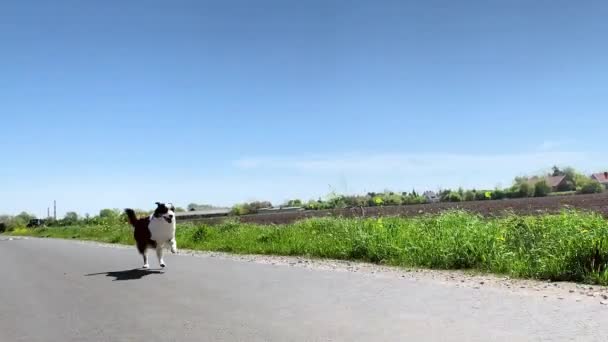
[[173, 246], [145, 255], [159, 254], [142, 248]]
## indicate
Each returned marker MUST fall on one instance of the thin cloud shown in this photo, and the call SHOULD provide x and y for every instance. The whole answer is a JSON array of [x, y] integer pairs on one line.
[[376, 172], [552, 145], [527, 162]]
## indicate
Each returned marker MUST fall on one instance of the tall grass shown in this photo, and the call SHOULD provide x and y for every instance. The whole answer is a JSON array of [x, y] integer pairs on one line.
[[568, 246]]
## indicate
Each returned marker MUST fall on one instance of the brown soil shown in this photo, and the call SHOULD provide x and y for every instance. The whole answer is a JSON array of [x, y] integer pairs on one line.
[[522, 206]]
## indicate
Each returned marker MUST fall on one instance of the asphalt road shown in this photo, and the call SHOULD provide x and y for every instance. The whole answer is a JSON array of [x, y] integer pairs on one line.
[[53, 290]]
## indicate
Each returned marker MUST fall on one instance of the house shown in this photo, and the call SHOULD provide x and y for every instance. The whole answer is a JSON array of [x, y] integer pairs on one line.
[[601, 177], [431, 196], [555, 182]]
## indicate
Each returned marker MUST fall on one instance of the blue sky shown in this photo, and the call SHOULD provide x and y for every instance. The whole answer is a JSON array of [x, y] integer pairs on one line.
[[124, 103]]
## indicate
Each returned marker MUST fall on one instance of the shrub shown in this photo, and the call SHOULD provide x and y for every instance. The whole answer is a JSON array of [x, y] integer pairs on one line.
[[521, 190], [541, 189], [377, 201], [294, 203], [356, 201], [336, 202], [454, 197], [444, 195], [483, 195], [250, 208], [469, 195], [592, 187], [411, 199], [392, 199], [498, 194]]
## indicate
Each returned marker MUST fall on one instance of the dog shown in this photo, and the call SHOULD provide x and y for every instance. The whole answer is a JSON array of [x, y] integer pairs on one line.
[[155, 231]]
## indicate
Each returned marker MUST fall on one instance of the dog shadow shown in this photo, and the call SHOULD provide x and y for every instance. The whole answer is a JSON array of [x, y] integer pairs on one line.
[[134, 274]]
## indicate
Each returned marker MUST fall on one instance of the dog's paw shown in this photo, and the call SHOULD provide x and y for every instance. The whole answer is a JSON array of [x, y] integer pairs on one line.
[[162, 264], [146, 266], [174, 250]]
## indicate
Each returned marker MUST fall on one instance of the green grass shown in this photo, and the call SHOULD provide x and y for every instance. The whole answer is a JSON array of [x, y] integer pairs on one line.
[[563, 193], [569, 246]]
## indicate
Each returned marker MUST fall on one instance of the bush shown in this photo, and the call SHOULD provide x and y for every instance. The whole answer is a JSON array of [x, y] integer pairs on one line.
[[250, 208], [392, 199], [356, 201], [520, 190], [454, 197], [483, 195], [376, 201], [294, 203], [541, 189], [592, 187], [469, 195], [498, 194], [411, 199]]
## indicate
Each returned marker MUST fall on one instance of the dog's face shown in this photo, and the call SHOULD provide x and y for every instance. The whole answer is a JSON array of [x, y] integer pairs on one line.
[[165, 211]]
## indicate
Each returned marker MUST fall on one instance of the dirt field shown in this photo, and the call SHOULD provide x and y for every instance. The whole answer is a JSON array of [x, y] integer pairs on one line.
[[596, 202]]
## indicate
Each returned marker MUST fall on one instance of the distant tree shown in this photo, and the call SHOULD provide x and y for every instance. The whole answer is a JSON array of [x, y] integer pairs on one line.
[[293, 203], [25, 216], [557, 171], [109, 214], [20, 220], [71, 217], [179, 210], [519, 180]]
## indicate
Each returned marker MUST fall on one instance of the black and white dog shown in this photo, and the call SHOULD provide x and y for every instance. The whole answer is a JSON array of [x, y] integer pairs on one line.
[[155, 231]]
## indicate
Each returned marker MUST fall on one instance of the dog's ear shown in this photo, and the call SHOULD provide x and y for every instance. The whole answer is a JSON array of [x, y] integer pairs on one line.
[[158, 204], [171, 207]]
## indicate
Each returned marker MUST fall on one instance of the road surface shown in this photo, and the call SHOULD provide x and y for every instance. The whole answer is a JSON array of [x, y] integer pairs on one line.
[[53, 290]]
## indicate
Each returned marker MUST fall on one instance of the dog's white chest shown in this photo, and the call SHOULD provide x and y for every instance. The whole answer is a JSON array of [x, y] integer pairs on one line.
[[161, 231]]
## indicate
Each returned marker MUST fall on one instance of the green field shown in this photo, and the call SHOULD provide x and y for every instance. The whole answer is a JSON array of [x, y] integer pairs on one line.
[[571, 246]]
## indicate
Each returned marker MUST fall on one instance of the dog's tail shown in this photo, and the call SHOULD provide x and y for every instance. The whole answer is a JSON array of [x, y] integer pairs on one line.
[[131, 216]]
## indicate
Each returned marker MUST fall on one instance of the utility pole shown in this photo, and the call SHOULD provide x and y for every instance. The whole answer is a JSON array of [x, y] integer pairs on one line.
[[48, 212], [54, 210]]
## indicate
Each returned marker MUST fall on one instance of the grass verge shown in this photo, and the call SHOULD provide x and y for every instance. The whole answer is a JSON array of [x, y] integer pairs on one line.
[[571, 246]]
